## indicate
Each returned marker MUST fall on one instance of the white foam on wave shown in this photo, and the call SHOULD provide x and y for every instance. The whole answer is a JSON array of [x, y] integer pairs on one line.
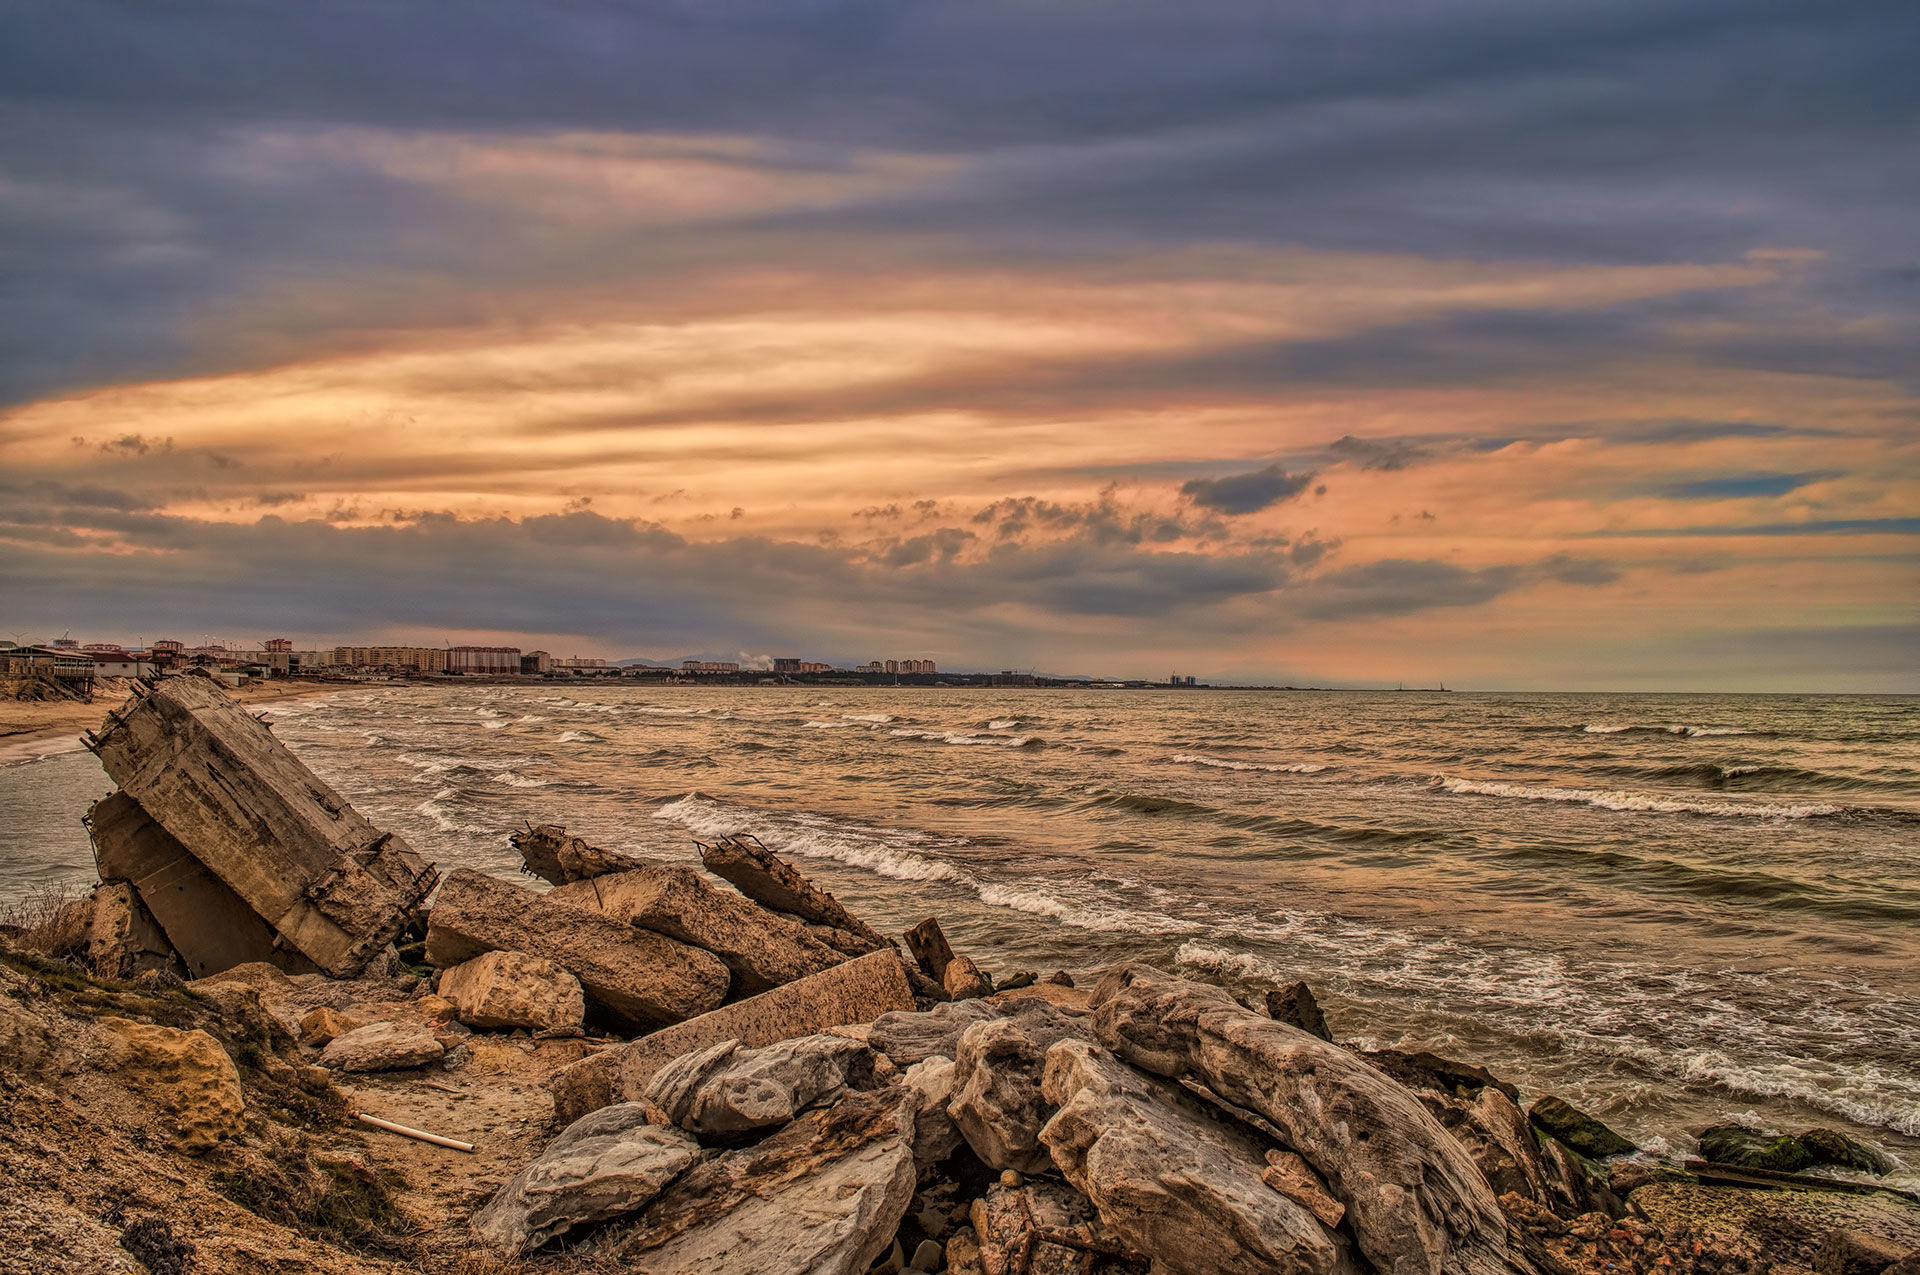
[[876, 850], [1225, 763], [1081, 915], [962, 738], [517, 780], [868, 717], [497, 725], [1003, 723], [657, 710], [1704, 731], [826, 725], [1602, 729], [1651, 803], [580, 737], [442, 817]]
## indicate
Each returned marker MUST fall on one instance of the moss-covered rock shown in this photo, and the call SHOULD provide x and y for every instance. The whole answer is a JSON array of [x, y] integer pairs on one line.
[[1577, 1130], [1741, 1148], [1830, 1146]]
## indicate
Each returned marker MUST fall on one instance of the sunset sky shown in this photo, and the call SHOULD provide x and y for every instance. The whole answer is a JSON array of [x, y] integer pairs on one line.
[[1503, 343]]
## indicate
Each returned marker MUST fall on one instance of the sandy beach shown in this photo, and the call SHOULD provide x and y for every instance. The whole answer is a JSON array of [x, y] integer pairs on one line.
[[41, 728]]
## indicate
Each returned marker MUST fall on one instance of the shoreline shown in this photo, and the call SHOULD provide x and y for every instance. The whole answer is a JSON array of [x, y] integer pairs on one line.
[[28, 727]]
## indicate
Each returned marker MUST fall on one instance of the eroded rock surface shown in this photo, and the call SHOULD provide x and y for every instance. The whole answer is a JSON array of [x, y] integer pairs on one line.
[[908, 1037], [381, 1047], [498, 990], [726, 1089], [997, 1100], [605, 1165], [185, 1072]]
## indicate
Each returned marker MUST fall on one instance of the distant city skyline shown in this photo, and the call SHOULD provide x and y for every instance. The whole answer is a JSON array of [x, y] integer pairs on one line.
[[1494, 343]]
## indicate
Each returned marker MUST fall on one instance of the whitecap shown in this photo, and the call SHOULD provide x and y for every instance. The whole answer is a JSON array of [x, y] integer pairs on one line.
[[517, 780], [580, 737], [1224, 763], [1617, 799], [1003, 723]]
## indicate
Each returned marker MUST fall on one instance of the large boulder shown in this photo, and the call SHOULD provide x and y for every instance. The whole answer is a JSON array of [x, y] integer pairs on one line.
[[1417, 1203], [122, 937], [909, 1036], [726, 1089], [498, 990], [642, 977], [824, 1196], [1171, 1182], [935, 1135], [186, 1073], [1296, 1006], [1576, 1129], [382, 1046], [855, 992], [762, 949], [997, 1101], [605, 1165]]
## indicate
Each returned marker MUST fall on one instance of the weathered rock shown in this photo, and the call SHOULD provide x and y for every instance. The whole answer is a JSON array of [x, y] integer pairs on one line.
[[726, 1089], [1790, 1227], [911, 1036], [1077, 999], [855, 992], [185, 1072], [1744, 1148], [1012, 1226], [1423, 1072], [964, 981], [123, 938], [1578, 1130], [1168, 1181], [823, 1196], [1831, 1147], [1850, 1252], [761, 949], [605, 1165], [767, 879], [997, 1101], [511, 989], [336, 888], [323, 1026], [1295, 1006], [935, 1135], [1293, 1177], [381, 1047], [640, 976], [1415, 1199], [549, 853], [963, 1253], [1060, 978], [212, 928], [927, 944]]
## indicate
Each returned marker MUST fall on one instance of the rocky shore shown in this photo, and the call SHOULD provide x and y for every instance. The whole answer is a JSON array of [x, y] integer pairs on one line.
[[276, 1039]]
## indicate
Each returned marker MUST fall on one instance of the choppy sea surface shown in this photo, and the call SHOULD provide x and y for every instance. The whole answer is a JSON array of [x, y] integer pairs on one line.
[[1673, 910]]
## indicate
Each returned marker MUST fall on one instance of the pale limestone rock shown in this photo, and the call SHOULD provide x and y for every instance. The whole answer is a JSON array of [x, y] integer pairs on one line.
[[381, 1047], [186, 1072], [908, 1036], [323, 1026], [824, 1196], [605, 1165], [855, 992], [1169, 1181], [997, 1101], [1416, 1202], [935, 1135], [503, 990], [726, 1089]]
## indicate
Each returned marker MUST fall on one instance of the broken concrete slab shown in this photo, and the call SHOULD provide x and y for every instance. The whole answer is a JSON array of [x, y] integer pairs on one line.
[[762, 949], [501, 990], [335, 887], [824, 1195], [642, 977], [855, 992], [123, 939], [381, 1047], [1041, 1228], [549, 853], [767, 879]]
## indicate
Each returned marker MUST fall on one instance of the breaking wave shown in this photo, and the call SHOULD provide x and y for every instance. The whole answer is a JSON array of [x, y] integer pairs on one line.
[[1224, 763], [964, 738], [1651, 803]]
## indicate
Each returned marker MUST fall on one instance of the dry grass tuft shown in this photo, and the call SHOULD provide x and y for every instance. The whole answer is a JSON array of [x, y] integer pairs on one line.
[[49, 921]]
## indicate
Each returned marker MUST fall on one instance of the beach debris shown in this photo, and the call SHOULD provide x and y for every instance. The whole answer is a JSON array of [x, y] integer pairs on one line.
[[639, 976], [123, 939], [420, 1135], [505, 990], [382, 1046], [761, 949], [607, 1164], [1295, 1006], [997, 1102], [770, 881], [546, 851], [1040, 1227], [957, 975], [726, 1089], [855, 992], [825, 1194], [1172, 1183], [1415, 1199], [332, 886], [1577, 1130], [184, 1072]]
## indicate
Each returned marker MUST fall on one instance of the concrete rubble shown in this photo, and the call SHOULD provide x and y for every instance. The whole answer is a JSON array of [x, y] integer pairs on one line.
[[787, 1090]]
